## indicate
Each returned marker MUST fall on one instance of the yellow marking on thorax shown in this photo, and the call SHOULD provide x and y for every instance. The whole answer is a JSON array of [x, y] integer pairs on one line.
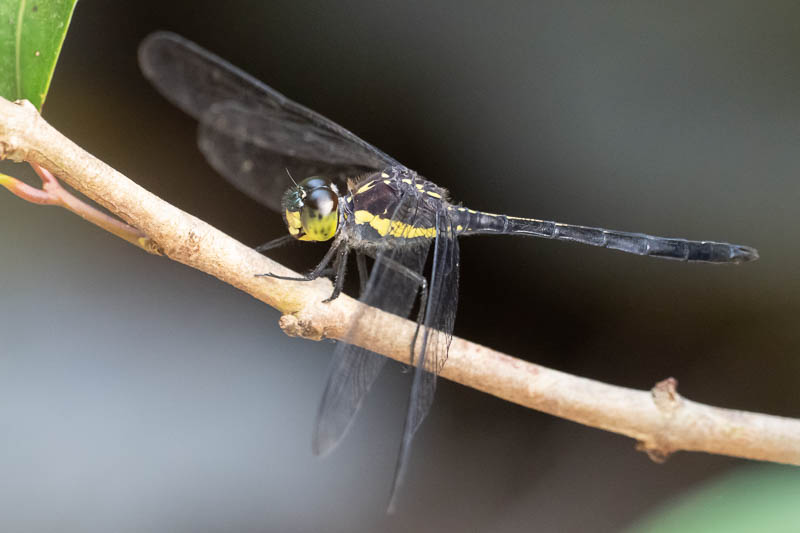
[[367, 186], [395, 228], [408, 181]]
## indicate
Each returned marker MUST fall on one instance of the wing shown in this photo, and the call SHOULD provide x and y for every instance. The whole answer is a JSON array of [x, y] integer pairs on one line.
[[437, 332], [394, 283], [393, 286], [249, 132]]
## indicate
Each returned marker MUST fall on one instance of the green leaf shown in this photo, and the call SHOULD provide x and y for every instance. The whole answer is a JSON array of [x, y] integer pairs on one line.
[[31, 34], [749, 500]]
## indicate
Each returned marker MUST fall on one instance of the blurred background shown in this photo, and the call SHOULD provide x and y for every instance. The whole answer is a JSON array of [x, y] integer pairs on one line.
[[137, 394]]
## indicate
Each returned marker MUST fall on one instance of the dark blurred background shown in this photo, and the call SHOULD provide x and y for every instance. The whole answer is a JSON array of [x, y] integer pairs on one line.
[[137, 394]]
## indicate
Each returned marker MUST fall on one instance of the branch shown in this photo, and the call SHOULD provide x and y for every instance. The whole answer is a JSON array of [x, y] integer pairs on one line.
[[660, 420], [52, 193]]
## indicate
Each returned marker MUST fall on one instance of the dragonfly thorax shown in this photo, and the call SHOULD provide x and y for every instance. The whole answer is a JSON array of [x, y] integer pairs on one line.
[[311, 209]]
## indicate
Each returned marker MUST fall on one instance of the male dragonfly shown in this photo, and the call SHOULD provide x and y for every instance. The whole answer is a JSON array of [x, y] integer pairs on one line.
[[257, 139]]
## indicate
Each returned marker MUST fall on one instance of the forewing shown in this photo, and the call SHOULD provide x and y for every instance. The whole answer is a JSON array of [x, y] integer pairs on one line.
[[246, 125], [353, 370], [253, 168], [392, 287]]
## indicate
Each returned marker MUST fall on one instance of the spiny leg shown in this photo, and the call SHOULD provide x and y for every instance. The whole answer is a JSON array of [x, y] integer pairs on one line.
[[340, 266], [363, 274], [314, 274], [274, 243]]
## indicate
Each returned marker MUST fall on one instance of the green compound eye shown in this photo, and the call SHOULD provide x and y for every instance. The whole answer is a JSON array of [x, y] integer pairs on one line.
[[320, 213]]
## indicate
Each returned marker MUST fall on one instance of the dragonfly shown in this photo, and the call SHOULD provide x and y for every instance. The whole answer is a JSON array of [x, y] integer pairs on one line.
[[367, 203]]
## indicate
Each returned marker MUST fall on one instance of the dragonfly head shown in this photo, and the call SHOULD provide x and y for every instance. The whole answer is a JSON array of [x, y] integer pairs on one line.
[[311, 209]]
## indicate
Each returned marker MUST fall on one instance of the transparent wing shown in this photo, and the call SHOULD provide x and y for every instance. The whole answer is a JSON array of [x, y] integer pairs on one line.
[[395, 281], [393, 286], [248, 164], [437, 333], [249, 132]]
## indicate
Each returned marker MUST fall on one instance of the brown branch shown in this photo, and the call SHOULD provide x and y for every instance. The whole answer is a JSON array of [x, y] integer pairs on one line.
[[660, 420]]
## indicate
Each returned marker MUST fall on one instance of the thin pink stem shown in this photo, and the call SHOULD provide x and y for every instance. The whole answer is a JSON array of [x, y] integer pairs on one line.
[[25, 191], [52, 193]]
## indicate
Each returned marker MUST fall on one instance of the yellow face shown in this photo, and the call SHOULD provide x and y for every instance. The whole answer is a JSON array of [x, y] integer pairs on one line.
[[311, 210]]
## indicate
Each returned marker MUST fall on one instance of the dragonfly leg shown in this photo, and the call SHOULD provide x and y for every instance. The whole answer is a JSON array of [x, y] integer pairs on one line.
[[340, 266], [274, 243], [314, 274], [363, 274]]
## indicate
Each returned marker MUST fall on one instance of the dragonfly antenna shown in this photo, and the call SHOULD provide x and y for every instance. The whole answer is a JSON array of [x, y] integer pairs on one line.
[[290, 177]]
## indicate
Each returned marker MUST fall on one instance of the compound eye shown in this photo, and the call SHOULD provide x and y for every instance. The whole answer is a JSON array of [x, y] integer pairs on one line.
[[320, 214]]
